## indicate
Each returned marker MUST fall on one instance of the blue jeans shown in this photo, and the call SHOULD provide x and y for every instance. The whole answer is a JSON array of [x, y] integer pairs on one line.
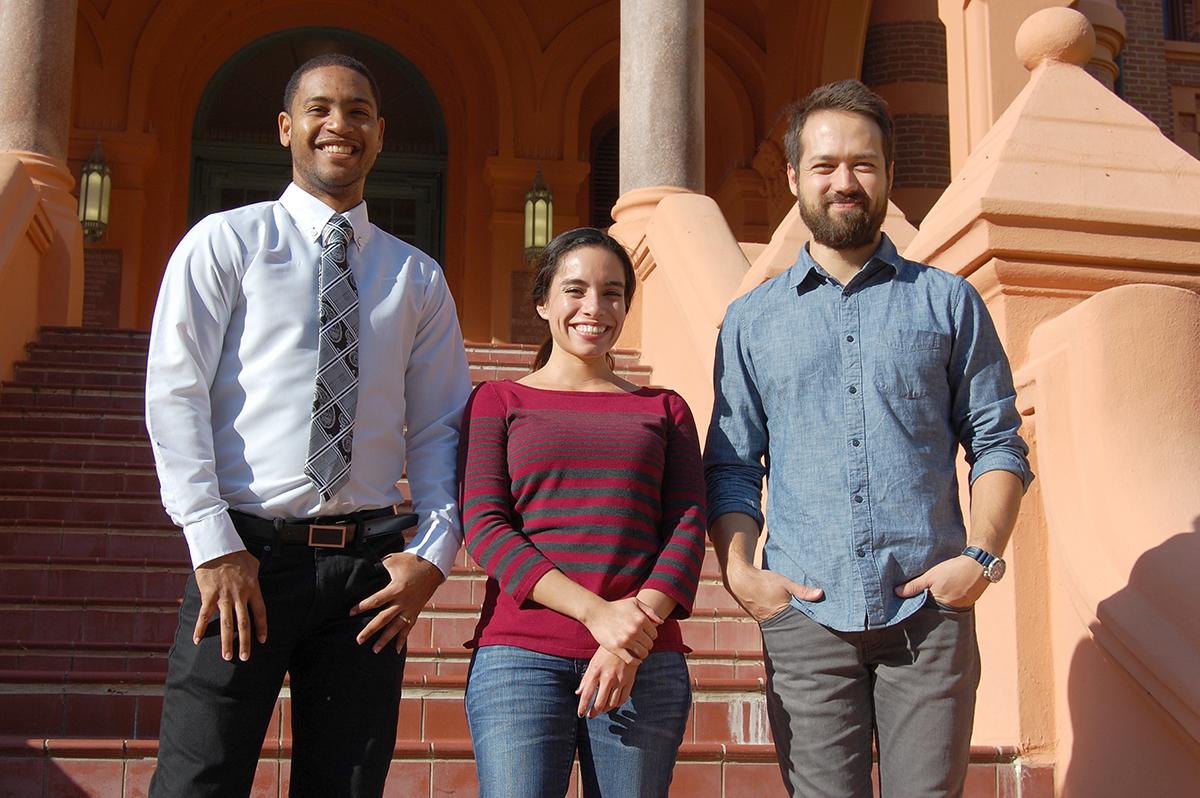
[[521, 707]]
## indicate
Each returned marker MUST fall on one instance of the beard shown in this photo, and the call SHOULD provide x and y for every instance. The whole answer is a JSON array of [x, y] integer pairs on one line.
[[853, 229]]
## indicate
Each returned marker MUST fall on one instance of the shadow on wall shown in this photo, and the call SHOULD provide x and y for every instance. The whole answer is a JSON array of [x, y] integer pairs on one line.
[[1134, 734]]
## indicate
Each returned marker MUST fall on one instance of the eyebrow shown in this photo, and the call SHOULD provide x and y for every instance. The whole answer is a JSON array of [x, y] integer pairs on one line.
[[858, 156], [321, 98], [573, 281]]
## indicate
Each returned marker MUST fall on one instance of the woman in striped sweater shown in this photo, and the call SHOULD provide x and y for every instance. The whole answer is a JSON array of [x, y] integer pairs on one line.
[[583, 498]]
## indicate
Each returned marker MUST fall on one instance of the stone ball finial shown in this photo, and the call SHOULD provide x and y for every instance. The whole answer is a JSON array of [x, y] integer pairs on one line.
[[1055, 34]]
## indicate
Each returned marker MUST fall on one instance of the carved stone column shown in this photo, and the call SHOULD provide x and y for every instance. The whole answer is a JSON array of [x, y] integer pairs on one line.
[[662, 94], [38, 40]]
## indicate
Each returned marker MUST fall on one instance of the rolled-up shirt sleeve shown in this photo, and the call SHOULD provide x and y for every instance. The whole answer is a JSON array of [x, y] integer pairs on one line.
[[983, 405], [737, 434]]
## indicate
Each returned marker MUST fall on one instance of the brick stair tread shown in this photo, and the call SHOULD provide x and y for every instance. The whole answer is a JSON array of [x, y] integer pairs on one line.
[[50, 418], [73, 366], [28, 394], [60, 525], [56, 331], [118, 748], [88, 648], [63, 679], [104, 437]]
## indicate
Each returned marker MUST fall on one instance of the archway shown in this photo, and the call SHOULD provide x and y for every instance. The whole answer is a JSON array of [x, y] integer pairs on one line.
[[237, 159]]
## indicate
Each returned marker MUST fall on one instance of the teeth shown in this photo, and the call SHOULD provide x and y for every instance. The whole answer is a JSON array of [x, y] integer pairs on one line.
[[590, 329], [341, 149]]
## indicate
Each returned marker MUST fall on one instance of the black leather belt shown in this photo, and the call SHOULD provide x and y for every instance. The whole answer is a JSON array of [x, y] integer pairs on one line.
[[326, 532]]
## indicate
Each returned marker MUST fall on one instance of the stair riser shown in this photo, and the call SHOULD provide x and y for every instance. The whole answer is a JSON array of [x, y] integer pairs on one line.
[[50, 375], [92, 625], [52, 449], [86, 337], [64, 582], [15, 395], [45, 422], [131, 711], [146, 510], [30, 541], [121, 357], [32, 477], [694, 777]]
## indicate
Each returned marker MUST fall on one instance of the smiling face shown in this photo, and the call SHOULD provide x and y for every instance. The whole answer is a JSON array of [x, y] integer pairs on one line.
[[585, 305], [843, 180], [334, 132]]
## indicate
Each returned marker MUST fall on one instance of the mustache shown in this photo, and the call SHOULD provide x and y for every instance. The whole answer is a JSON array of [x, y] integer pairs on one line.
[[838, 196]]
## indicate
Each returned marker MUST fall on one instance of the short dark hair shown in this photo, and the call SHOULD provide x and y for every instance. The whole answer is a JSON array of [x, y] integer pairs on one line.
[[851, 96], [551, 257], [328, 59]]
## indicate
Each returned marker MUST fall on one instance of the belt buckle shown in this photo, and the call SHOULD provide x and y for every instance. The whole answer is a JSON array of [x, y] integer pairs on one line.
[[328, 536]]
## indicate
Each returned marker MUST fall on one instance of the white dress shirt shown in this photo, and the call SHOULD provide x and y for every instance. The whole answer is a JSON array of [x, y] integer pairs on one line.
[[233, 359]]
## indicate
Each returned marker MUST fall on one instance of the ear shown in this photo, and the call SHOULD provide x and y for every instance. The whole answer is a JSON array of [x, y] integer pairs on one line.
[[381, 126], [891, 175], [285, 128], [792, 181], [541, 311]]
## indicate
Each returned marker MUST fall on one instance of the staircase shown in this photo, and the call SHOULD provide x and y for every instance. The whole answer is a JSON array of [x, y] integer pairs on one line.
[[91, 572]]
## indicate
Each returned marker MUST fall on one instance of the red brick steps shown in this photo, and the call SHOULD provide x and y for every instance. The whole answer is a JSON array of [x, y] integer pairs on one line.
[[92, 570]]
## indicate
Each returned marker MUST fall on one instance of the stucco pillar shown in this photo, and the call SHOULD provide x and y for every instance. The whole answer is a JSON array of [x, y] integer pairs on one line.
[[662, 94], [37, 38]]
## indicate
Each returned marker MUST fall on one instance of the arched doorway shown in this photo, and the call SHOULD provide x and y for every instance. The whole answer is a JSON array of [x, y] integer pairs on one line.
[[237, 159]]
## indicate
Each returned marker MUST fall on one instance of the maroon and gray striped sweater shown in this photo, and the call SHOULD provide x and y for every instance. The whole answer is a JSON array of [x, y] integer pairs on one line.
[[606, 487]]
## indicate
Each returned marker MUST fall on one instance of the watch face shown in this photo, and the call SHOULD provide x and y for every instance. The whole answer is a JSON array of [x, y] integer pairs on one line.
[[995, 571]]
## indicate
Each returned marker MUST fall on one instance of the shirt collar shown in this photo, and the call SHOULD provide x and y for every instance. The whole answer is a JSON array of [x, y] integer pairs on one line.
[[807, 272], [311, 215]]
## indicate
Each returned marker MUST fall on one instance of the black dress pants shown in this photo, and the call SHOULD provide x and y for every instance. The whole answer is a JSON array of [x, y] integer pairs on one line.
[[344, 697]]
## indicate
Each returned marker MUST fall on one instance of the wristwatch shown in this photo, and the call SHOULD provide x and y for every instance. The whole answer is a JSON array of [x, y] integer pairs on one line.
[[993, 566]]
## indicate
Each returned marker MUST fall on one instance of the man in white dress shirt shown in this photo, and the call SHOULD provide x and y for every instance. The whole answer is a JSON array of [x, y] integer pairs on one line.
[[307, 576]]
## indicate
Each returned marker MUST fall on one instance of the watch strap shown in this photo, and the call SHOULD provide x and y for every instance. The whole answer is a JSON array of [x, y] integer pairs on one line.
[[979, 555]]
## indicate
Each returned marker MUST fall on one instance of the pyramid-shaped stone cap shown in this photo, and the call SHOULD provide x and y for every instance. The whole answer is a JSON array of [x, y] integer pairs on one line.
[[1069, 173]]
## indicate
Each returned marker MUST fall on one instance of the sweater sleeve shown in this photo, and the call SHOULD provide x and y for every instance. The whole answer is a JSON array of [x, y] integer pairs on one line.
[[676, 571], [491, 527]]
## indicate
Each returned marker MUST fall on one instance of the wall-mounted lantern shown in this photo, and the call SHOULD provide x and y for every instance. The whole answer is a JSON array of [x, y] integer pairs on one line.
[[539, 217], [95, 188]]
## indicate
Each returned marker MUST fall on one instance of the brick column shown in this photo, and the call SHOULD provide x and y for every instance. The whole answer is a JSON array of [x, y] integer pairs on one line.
[[904, 60], [37, 38]]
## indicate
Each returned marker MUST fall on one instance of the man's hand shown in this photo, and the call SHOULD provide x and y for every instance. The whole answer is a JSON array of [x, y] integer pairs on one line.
[[764, 593], [957, 582], [413, 582], [229, 586], [608, 680], [627, 627]]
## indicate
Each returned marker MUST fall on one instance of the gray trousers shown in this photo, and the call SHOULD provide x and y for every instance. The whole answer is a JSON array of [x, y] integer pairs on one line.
[[910, 686]]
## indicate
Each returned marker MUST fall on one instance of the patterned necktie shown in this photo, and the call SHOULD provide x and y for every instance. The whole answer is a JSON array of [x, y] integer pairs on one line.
[[331, 435]]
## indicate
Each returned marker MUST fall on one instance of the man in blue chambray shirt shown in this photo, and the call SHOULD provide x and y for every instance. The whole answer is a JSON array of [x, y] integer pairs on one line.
[[849, 382]]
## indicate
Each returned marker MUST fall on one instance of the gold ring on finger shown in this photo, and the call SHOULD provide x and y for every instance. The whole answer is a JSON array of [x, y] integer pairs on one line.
[[404, 618]]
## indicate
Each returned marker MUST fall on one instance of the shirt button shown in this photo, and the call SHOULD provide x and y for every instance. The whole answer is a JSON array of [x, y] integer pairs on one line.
[[861, 552], [858, 499], [853, 389], [850, 338], [854, 442]]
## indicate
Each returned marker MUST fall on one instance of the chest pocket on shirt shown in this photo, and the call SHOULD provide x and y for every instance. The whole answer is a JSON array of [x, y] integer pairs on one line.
[[911, 363]]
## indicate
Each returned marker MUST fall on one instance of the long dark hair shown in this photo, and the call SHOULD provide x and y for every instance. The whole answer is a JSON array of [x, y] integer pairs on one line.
[[551, 257]]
